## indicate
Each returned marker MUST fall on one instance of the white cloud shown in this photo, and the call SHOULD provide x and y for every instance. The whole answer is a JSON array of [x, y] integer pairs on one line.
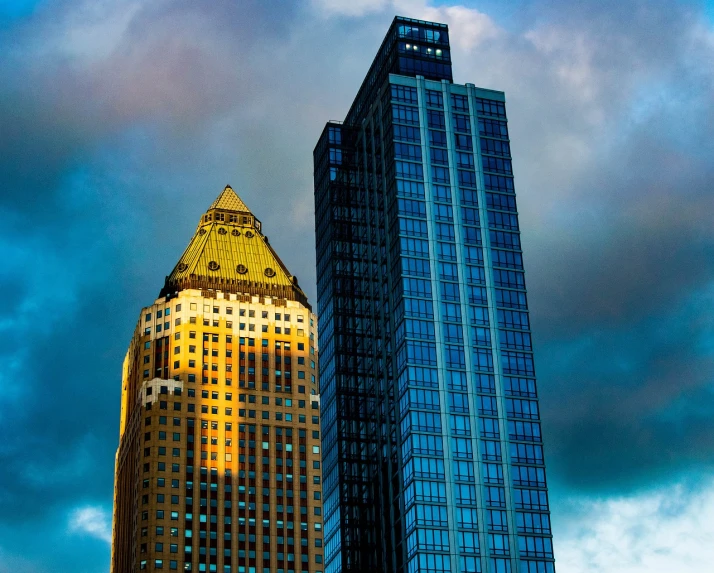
[[91, 520], [669, 531], [468, 28]]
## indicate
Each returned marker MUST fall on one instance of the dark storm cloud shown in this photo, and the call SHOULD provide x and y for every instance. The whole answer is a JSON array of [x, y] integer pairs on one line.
[[120, 122], [630, 406], [621, 289]]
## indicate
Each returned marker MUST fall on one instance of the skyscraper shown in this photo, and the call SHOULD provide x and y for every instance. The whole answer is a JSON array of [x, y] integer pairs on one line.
[[432, 445], [218, 466]]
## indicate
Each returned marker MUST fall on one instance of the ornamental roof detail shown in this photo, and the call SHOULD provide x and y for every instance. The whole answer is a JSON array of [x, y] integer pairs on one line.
[[228, 252]]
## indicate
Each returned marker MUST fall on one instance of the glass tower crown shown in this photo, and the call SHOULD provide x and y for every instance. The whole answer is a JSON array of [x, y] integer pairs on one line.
[[432, 449]]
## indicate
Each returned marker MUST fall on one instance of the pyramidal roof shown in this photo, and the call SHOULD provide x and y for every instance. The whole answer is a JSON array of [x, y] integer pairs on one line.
[[228, 200], [228, 252]]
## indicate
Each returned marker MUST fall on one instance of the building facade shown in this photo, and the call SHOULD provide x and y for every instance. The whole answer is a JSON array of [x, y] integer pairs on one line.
[[218, 465], [432, 450]]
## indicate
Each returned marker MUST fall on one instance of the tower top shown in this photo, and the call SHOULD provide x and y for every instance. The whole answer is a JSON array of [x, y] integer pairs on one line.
[[229, 253], [228, 200], [410, 48]]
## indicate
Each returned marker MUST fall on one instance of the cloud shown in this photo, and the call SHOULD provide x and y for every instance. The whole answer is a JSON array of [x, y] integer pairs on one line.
[[468, 28], [669, 529], [122, 120], [91, 520]]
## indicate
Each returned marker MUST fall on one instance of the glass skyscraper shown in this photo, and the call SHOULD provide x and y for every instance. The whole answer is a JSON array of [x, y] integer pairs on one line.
[[432, 450]]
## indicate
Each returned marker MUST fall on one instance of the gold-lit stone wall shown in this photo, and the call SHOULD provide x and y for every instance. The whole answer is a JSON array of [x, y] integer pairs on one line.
[[218, 467]]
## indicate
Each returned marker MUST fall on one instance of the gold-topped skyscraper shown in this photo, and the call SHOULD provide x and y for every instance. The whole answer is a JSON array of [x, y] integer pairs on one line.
[[218, 466]]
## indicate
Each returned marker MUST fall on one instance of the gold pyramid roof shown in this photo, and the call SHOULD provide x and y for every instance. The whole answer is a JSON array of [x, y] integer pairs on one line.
[[228, 252], [229, 201]]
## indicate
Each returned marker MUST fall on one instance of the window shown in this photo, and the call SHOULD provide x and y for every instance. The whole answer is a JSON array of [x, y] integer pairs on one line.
[[439, 156], [404, 94], [437, 137], [493, 128], [459, 103], [462, 123], [435, 119], [405, 114], [434, 98], [490, 107]]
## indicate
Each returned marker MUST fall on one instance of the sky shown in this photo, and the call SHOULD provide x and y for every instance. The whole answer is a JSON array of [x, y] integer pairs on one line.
[[121, 121]]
